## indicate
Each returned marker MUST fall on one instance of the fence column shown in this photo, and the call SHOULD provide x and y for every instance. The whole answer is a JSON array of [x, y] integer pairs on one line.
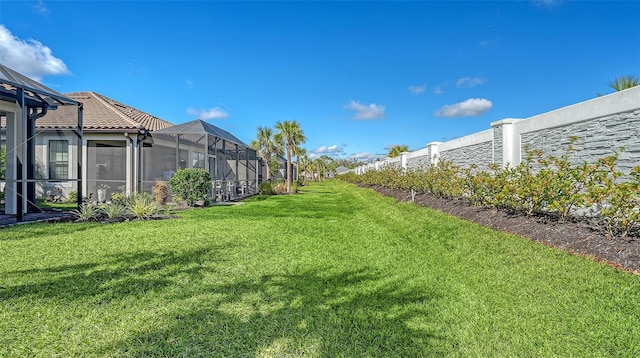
[[506, 147], [432, 152], [403, 160]]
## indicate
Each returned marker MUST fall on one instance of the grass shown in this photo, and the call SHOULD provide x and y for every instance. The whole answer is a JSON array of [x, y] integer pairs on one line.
[[335, 271]]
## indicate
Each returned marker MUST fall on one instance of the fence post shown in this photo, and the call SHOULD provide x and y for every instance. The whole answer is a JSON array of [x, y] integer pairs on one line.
[[432, 152], [403, 160], [506, 147]]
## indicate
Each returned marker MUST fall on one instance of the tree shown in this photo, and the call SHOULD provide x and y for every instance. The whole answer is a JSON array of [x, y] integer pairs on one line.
[[290, 135], [397, 149], [299, 152], [624, 82], [305, 165], [266, 147]]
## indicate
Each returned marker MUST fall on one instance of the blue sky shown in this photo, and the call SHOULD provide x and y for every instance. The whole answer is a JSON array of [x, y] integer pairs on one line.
[[359, 76]]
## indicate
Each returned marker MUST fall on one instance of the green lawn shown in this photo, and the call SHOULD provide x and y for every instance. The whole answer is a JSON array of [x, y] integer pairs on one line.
[[337, 271]]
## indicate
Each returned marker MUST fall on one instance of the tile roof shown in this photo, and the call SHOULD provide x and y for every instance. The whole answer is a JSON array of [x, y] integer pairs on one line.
[[35, 92], [101, 113]]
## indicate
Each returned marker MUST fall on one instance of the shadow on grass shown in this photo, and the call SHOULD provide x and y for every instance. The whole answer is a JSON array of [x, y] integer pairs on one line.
[[113, 278], [36, 230], [314, 313], [321, 312]]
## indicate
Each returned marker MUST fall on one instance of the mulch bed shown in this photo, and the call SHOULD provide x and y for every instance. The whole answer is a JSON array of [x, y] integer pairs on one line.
[[577, 237]]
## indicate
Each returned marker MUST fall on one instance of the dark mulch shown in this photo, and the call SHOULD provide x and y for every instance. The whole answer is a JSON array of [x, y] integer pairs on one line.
[[577, 237]]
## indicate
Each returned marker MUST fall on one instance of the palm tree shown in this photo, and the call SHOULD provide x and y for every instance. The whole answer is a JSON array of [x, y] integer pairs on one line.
[[624, 82], [266, 147], [299, 152], [397, 149], [303, 164], [291, 136]]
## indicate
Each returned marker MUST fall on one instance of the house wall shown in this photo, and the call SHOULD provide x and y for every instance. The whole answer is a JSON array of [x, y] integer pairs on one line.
[[602, 125], [61, 188]]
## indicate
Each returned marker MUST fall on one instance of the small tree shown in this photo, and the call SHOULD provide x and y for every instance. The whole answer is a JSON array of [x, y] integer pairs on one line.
[[397, 149], [624, 82], [191, 184]]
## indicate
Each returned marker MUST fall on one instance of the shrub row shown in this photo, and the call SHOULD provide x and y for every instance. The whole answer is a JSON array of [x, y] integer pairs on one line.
[[539, 184]]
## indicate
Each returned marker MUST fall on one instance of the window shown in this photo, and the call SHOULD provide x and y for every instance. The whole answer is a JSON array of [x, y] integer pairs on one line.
[[58, 159], [198, 160]]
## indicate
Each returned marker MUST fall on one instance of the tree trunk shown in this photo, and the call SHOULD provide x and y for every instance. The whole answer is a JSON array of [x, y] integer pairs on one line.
[[268, 164], [289, 153]]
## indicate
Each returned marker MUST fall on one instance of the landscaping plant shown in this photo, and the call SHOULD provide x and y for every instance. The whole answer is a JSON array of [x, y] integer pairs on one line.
[[192, 185]]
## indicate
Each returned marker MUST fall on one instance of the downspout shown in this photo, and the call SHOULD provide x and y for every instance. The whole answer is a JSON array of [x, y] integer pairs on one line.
[[140, 162]]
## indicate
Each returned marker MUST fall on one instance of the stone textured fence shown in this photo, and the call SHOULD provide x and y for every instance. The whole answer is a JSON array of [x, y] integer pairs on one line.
[[602, 125]]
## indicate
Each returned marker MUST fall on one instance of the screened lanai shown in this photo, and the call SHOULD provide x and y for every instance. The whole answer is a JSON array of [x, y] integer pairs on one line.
[[198, 144], [28, 170]]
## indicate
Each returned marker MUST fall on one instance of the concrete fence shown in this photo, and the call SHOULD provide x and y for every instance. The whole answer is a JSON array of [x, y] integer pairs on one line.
[[602, 125]]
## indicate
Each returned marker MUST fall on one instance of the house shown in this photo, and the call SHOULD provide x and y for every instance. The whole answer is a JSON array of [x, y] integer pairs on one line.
[[342, 169], [23, 102], [124, 149]]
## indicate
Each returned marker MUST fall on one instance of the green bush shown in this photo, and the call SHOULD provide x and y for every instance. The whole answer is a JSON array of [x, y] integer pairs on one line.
[[87, 212], [540, 184], [114, 211], [192, 185], [265, 188], [143, 206], [72, 197]]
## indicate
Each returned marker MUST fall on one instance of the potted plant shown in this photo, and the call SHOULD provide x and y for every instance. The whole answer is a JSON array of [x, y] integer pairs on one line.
[[102, 192]]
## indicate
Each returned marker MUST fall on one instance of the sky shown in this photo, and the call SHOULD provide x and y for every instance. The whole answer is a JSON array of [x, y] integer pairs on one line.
[[358, 76]]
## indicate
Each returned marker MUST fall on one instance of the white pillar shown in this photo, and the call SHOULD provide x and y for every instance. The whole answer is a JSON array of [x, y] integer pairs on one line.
[[506, 148], [403, 159], [433, 151]]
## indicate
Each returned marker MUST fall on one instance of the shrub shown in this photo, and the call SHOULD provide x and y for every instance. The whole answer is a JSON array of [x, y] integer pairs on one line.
[[72, 197], [114, 210], [160, 192], [120, 198], [265, 188], [143, 206], [619, 201], [191, 184], [88, 211], [280, 188]]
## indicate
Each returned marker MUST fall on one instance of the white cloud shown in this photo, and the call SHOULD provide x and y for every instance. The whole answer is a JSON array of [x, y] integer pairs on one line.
[[372, 111], [468, 82], [365, 156], [189, 83], [469, 108], [331, 150], [439, 88], [29, 57], [212, 113], [40, 8], [418, 89]]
